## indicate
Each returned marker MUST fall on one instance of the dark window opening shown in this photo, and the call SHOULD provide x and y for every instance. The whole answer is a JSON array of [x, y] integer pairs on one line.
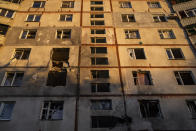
[[97, 31], [101, 105], [96, 2], [192, 107], [98, 50], [96, 8], [3, 29], [39, 4], [150, 108], [100, 87], [100, 73], [99, 61], [56, 78], [97, 22], [175, 53], [128, 18], [184, 77], [98, 39], [22, 53], [97, 15]]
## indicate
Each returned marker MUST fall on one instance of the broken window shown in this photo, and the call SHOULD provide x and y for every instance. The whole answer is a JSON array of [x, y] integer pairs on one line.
[[100, 73], [174, 53], [99, 61], [100, 87], [98, 50], [125, 4], [56, 78], [96, 2], [103, 121], [192, 107], [97, 31], [101, 105], [97, 22], [12, 79], [29, 34], [128, 18], [96, 8], [34, 18], [22, 53], [68, 4], [52, 110], [159, 18], [13, 1], [66, 17], [166, 34], [136, 53], [188, 13], [39, 4], [60, 56], [3, 29], [64, 34], [6, 109], [154, 5], [97, 15], [98, 39], [184, 77], [6, 13], [142, 78], [150, 108], [132, 34]]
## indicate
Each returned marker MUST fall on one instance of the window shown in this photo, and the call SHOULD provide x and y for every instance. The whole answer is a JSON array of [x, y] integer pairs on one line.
[[13, 1], [184, 77], [128, 18], [101, 105], [64, 34], [22, 53], [142, 78], [150, 108], [6, 109], [154, 5], [97, 31], [96, 2], [103, 121], [33, 18], [159, 18], [191, 30], [3, 29], [100, 73], [6, 13], [192, 107], [174, 54], [56, 78], [136, 53], [60, 57], [125, 4], [28, 34], [97, 15], [99, 61], [68, 4], [98, 50], [166, 34], [97, 22], [96, 8], [52, 110], [132, 34], [66, 17], [12, 79], [39, 4], [188, 13], [100, 87], [178, 1], [98, 39]]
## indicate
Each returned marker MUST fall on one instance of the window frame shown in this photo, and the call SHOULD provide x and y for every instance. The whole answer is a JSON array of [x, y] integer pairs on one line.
[[165, 36], [95, 59], [127, 18], [159, 18], [42, 4], [34, 17], [13, 79], [22, 50], [98, 72], [61, 36], [125, 4], [154, 4], [136, 78], [48, 109], [66, 17], [70, 4], [2, 108], [172, 55], [7, 11], [191, 110], [28, 31], [134, 57], [179, 79], [132, 31], [95, 87]]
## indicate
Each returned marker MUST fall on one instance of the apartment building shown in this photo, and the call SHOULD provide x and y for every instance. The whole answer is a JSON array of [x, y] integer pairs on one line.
[[186, 10], [96, 65]]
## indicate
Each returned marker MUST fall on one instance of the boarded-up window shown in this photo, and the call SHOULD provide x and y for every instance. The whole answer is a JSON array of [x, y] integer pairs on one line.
[[142, 78], [57, 78]]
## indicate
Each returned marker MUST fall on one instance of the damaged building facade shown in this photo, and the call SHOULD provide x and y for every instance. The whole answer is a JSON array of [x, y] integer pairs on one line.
[[186, 10], [95, 65]]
